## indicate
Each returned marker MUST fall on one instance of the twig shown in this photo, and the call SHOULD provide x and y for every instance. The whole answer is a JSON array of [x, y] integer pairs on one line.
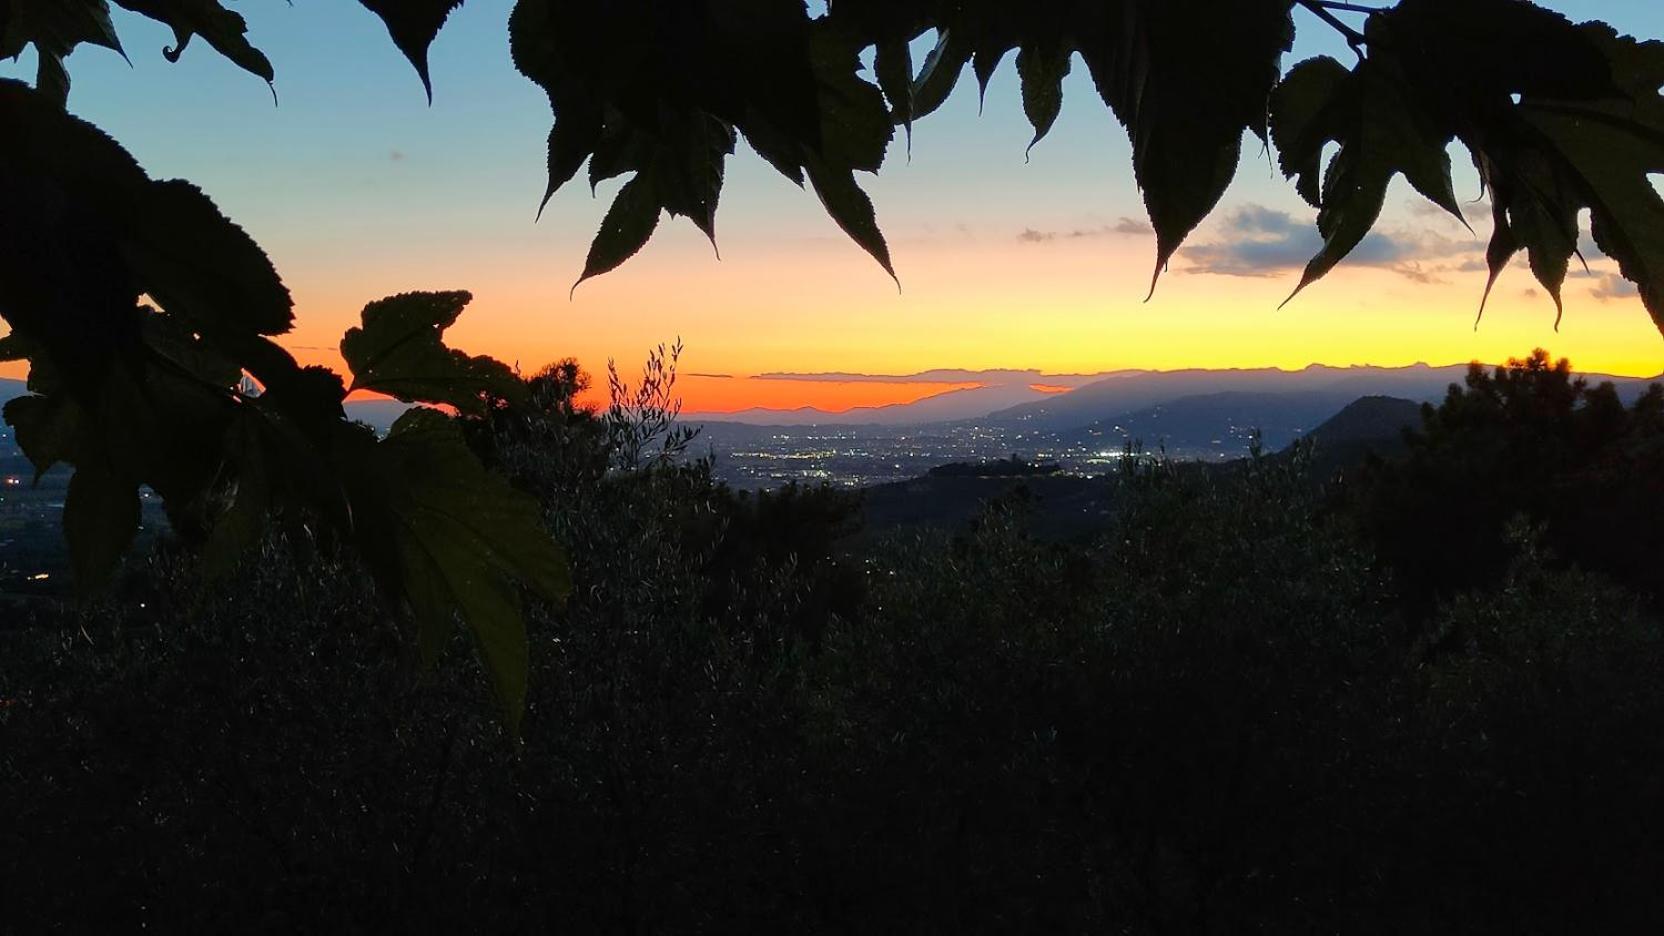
[[1323, 10]]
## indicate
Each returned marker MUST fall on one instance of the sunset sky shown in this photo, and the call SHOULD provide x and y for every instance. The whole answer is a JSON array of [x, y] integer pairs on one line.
[[358, 189]]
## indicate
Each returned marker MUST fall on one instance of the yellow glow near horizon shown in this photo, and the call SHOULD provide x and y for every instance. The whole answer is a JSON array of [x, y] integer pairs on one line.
[[1073, 307]]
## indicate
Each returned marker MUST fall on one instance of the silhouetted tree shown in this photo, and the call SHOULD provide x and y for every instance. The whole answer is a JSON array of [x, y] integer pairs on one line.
[[1526, 438]]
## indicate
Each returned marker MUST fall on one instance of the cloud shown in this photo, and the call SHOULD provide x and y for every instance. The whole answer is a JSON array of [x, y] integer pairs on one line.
[[1588, 248], [1123, 227], [1611, 286], [1476, 213], [395, 156], [1254, 240], [712, 376]]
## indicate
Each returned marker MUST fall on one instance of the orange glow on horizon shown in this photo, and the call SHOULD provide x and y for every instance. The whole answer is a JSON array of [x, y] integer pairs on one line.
[[1065, 308]]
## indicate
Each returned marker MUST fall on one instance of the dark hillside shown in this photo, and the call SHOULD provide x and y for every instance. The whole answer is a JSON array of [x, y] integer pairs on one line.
[[1371, 425]]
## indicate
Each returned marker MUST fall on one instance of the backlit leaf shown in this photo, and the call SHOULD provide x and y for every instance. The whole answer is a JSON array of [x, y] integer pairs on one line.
[[1381, 135], [400, 350], [454, 539]]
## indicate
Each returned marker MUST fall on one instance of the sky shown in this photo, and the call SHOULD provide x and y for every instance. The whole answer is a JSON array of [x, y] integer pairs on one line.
[[358, 189]]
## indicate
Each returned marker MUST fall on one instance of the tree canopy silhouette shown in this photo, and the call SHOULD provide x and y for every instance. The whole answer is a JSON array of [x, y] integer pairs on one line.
[[1558, 118]]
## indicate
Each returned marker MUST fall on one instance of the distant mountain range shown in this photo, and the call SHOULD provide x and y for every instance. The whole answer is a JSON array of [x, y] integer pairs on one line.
[[1135, 391], [948, 406], [1194, 411], [1121, 394], [1191, 412]]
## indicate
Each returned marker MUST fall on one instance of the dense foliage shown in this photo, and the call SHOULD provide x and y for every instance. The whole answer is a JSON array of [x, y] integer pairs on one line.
[[1215, 714], [1524, 442], [141, 309], [1244, 703]]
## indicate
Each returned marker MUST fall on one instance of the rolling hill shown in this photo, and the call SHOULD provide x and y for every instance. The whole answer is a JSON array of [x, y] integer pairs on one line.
[[1132, 391], [1214, 424], [1368, 425]]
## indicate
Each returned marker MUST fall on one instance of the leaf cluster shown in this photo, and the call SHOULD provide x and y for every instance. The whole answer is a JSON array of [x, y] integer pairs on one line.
[[1558, 118], [189, 397]]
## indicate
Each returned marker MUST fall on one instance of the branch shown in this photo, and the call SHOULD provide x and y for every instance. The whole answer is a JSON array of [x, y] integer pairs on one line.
[[1348, 7], [1323, 10]]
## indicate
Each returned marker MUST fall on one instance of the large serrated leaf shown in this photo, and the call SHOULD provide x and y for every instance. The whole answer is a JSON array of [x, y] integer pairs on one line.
[[201, 266], [893, 67], [1382, 134], [627, 227], [851, 209], [400, 350], [1186, 103], [1613, 162], [1300, 108], [454, 539]]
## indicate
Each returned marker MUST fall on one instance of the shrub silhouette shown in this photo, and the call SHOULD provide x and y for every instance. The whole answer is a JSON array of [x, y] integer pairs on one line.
[[1525, 439], [1215, 715]]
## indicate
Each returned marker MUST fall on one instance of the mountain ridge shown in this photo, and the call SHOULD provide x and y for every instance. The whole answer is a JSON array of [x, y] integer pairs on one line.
[[1120, 393]]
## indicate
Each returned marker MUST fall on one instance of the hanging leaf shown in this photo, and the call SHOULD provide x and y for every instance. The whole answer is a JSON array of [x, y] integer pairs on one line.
[[1381, 135], [400, 350], [1532, 209], [1042, 71], [571, 141], [1302, 110], [893, 67], [628, 226], [55, 28], [1186, 103], [223, 29], [852, 209], [454, 539], [939, 74], [1559, 118], [664, 91], [59, 25], [413, 24]]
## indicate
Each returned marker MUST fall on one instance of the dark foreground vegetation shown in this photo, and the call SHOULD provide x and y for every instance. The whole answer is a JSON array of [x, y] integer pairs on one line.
[[1425, 697]]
